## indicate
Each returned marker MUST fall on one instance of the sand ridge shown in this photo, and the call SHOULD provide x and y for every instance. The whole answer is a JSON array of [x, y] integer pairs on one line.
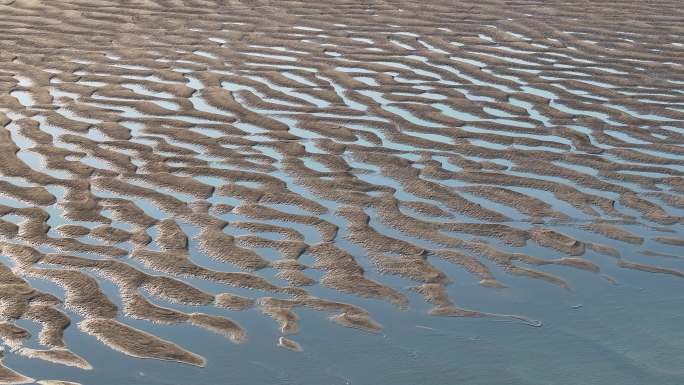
[[151, 145]]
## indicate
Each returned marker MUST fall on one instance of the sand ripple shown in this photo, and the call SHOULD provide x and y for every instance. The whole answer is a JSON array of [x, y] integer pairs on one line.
[[165, 142]]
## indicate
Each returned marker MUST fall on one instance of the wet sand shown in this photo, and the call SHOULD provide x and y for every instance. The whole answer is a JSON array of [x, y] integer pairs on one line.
[[184, 162]]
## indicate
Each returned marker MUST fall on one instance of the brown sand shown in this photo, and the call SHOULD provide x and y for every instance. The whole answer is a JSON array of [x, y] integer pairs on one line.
[[156, 156]]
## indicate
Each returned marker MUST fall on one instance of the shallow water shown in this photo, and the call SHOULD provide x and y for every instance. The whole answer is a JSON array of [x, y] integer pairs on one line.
[[489, 202]]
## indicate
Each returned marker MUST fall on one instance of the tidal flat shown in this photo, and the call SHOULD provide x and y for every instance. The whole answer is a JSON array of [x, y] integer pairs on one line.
[[358, 192]]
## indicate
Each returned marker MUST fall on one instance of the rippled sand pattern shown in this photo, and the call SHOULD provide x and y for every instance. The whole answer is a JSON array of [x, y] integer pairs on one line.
[[299, 143]]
